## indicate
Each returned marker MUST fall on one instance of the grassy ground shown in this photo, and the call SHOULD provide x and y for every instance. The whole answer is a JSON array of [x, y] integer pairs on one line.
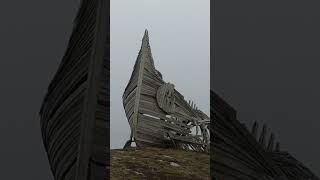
[[159, 164]]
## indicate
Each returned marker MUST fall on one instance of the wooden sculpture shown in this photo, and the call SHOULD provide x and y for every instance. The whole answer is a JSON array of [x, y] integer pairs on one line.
[[158, 114]]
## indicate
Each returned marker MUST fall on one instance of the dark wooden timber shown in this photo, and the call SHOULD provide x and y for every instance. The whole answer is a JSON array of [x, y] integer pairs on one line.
[[238, 154], [75, 111], [157, 113]]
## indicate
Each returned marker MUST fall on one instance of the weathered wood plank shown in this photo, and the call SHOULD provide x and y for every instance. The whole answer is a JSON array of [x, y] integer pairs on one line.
[[150, 120], [162, 124]]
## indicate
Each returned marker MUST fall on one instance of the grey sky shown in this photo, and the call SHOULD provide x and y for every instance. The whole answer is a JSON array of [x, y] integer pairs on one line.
[[179, 34]]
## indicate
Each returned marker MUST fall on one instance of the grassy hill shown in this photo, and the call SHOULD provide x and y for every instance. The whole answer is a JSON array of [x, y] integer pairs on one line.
[[159, 164]]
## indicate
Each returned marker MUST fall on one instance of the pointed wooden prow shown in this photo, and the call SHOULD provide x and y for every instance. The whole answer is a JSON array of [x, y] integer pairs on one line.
[[263, 136], [254, 130], [278, 147], [145, 39], [271, 143]]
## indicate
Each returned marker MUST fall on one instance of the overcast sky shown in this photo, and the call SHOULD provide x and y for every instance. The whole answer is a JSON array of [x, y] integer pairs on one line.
[[179, 34], [266, 65]]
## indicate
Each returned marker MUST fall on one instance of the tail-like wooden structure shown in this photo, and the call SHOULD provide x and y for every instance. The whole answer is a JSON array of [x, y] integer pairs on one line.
[[157, 113], [242, 155], [75, 112]]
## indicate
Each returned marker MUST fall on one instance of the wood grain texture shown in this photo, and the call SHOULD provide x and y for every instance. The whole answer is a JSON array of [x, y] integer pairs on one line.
[[242, 155], [74, 116], [158, 114]]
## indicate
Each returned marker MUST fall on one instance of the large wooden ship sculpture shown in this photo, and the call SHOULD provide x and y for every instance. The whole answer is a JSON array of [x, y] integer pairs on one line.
[[239, 153], [158, 114]]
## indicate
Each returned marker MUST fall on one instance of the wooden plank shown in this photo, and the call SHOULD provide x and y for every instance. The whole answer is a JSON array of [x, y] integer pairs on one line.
[[130, 104], [63, 131], [183, 110], [131, 95], [100, 56], [131, 86], [151, 106], [152, 113], [130, 112], [148, 91], [148, 137], [151, 81], [152, 75], [162, 124]]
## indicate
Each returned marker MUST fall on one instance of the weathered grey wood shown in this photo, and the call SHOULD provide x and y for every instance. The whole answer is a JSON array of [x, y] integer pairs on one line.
[[255, 129], [161, 115], [271, 142], [141, 64], [235, 147], [162, 123], [263, 136], [238, 154], [74, 114], [165, 98], [278, 147]]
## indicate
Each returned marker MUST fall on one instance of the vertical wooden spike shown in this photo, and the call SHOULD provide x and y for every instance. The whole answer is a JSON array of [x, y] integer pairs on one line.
[[278, 147], [271, 142], [263, 136], [254, 130]]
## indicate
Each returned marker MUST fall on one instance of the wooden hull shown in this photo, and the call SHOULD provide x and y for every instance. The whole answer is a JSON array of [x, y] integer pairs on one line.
[[158, 115], [74, 114]]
